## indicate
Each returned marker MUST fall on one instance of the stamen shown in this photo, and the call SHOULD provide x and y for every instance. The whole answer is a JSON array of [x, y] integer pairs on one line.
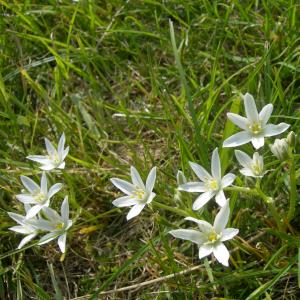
[[255, 127]]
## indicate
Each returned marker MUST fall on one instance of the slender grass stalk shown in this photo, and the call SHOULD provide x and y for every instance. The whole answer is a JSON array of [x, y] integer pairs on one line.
[[293, 190]]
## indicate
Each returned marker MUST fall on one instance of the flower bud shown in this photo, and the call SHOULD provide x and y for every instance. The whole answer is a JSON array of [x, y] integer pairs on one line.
[[291, 139], [280, 149]]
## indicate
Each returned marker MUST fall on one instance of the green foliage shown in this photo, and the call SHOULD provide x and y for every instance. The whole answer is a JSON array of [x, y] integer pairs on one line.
[[127, 92]]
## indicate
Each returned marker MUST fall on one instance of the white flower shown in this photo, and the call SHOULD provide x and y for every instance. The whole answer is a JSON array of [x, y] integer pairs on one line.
[[255, 125], [210, 238], [56, 224], [252, 167], [39, 196], [138, 194], [210, 185], [280, 149], [24, 228], [55, 158]]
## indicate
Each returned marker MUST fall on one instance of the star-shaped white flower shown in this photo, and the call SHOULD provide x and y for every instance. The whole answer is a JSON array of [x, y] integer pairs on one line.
[[210, 185], [210, 238], [138, 194], [253, 167], [255, 127], [38, 195], [24, 228], [55, 158], [58, 225]]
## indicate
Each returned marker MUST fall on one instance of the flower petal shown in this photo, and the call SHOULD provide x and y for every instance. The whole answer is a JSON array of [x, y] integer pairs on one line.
[[48, 167], [26, 239], [222, 217], [44, 184], [238, 120], [65, 209], [271, 129], [136, 178], [49, 147], [123, 185], [62, 242], [29, 184], [125, 201], [258, 141], [221, 254], [250, 108], [228, 179], [25, 198], [201, 173], [51, 214], [61, 144], [20, 229], [203, 225], [134, 211], [220, 198], [18, 218], [54, 189], [265, 113], [150, 198], [237, 139], [205, 250], [65, 153], [48, 237], [243, 158], [193, 187], [203, 199], [216, 165], [189, 235], [39, 158], [33, 211], [228, 234], [151, 180], [247, 172]]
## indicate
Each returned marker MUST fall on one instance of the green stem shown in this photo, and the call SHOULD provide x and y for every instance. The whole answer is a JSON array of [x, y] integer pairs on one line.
[[242, 190], [293, 190], [171, 209]]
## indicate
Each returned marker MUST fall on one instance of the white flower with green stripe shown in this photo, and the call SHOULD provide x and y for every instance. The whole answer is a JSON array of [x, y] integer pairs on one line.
[[210, 238], [138, 194], [255, 127]]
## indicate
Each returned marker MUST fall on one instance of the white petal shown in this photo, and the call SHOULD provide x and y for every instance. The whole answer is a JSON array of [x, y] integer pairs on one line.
[[54, 189], [243, 158], [62, 165], [61, 144], [222, 217], [250, 108], [51, 214], [247, 172], [237, 139], [65, 153], [18, 218], [44, 183], [26, 239], [136, 178], [49, 147], [228, 179], [201, 173], [228, 234], [62, 242], [39, 158], [216, 165], [203, 225], [265, 113], [193, 187], [125, 201], [65, 209], [203, 199], [25, 198], [134, 211], [48, 167], [29, 184], [238, 120], [258, 141], [181, 179], [189, 235], [205, 250], [151, 180], [271, 129], [221, 254], [220, 198], [123, 185], [48, 237], [33, 211], [20, 229], [150, 198]]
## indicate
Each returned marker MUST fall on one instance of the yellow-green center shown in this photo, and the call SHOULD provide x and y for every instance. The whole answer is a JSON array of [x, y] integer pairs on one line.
[[212, 237], [256, 168], [54, 157], [255, 127], [139, 193], [39, 197], [213, 184], [59, 226]]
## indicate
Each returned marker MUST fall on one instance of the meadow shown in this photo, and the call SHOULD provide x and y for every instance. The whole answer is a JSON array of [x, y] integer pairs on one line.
[[148, 83]]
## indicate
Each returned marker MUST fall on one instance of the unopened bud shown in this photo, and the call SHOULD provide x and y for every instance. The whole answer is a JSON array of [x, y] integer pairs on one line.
[[280, 149], [291, 139]]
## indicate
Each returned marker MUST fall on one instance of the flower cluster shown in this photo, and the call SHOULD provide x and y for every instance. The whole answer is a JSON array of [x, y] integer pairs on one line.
[[210, 238], [36, 198]]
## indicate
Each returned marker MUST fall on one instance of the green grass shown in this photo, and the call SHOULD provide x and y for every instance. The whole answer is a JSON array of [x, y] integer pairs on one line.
[[128, 91]]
